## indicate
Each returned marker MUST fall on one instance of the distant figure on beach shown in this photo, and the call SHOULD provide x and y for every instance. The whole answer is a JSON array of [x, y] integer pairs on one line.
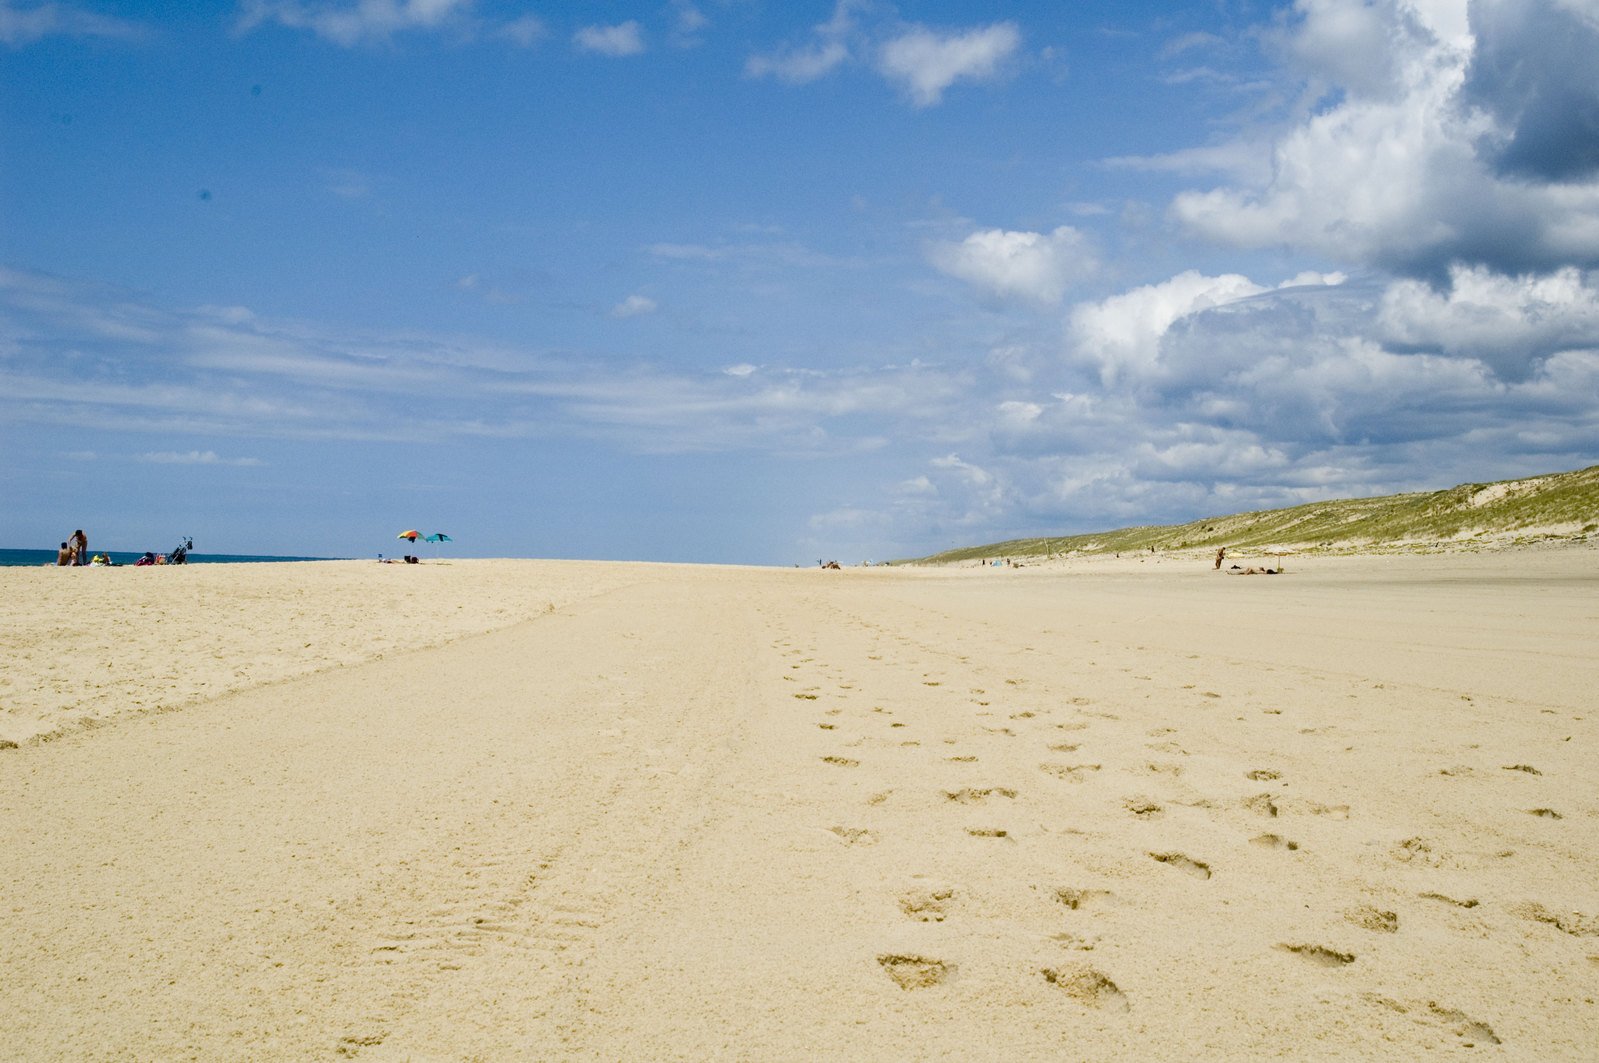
[[80, 547], [1221, 555], [1251, 571], [64, 555]]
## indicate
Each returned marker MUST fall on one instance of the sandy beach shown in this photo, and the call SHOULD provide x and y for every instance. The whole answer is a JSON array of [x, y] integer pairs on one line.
[[1115, 809]]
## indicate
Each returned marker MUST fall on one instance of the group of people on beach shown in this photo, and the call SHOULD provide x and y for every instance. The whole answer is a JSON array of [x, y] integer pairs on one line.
[[75, 551]]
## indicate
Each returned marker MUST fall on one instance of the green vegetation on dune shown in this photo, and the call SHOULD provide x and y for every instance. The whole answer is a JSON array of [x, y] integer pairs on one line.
[[1560, 505]]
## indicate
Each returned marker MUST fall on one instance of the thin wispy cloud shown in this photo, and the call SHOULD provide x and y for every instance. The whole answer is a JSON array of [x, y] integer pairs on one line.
[[362, 22], [195, 457], [634, 306], [618, 41], [826, 51], [23, 24]]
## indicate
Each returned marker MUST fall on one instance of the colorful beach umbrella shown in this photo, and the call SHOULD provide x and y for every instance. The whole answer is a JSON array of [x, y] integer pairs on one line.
[[411, 534]]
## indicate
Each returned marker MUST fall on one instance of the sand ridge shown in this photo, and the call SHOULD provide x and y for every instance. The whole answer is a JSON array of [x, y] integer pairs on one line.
[[1102, 813]]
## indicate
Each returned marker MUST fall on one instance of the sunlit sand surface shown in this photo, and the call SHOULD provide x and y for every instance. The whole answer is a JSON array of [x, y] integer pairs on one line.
[[1106, 810]]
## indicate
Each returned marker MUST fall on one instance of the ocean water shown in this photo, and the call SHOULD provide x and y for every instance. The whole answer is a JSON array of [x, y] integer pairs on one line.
[[13, 558]]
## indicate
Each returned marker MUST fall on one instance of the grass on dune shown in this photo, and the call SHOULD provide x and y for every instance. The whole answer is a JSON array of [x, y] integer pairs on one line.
[[1560, 505]]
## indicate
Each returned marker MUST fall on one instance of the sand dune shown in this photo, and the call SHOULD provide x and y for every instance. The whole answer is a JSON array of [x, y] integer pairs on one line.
[[1104, 811]]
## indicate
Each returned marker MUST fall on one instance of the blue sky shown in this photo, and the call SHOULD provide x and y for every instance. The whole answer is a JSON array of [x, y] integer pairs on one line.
[[731, 280]]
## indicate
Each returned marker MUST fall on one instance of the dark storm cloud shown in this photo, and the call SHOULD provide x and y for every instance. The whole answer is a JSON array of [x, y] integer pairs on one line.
[[1536, 69]]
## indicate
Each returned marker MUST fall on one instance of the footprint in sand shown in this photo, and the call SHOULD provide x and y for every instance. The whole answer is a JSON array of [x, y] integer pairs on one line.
[[915, 972], [351, 1044], [988, 832], [1087, 986], [1143, 807], [1416, 851], [1083, 899], [971, 795], [1069, 772], [855, 835], [1261, 805], [1075, 942], [1274, 841], [1368, 917], [1197, 868], [1317, 954], [926, 906], [842, 762], [1470, 1031], [1574, 923], [1470, 902], [1263, 775]]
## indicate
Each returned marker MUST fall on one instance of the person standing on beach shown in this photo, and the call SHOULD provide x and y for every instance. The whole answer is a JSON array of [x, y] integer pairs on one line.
[[80, 548]]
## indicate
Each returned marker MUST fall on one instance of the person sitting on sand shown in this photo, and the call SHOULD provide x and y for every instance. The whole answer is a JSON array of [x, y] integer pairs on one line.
[[64, 556]]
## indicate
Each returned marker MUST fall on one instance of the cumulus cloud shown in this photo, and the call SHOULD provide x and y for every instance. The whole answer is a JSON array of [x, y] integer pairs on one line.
[[924, 62], [1122, 334], [623, 39], [1508, 322], [1534, 70], [1027, 265], [1416, 156], [21, 25]]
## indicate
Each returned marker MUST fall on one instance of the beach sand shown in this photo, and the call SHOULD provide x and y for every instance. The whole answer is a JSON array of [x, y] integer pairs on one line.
[[1126, 809]]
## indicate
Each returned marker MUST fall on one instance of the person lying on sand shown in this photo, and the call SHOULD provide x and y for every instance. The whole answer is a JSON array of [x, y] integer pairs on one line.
[[1251, 571]]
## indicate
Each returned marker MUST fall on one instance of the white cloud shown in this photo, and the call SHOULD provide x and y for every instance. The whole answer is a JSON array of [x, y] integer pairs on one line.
[[623, 39], [1396, 164], [634, 306], [350, 24], [924, 63], [193, 457], [826, 52], [800, 66], [1034, 266], [525, 31], [1122, 333], [20, 26], [742, 369], [1507, 322]]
